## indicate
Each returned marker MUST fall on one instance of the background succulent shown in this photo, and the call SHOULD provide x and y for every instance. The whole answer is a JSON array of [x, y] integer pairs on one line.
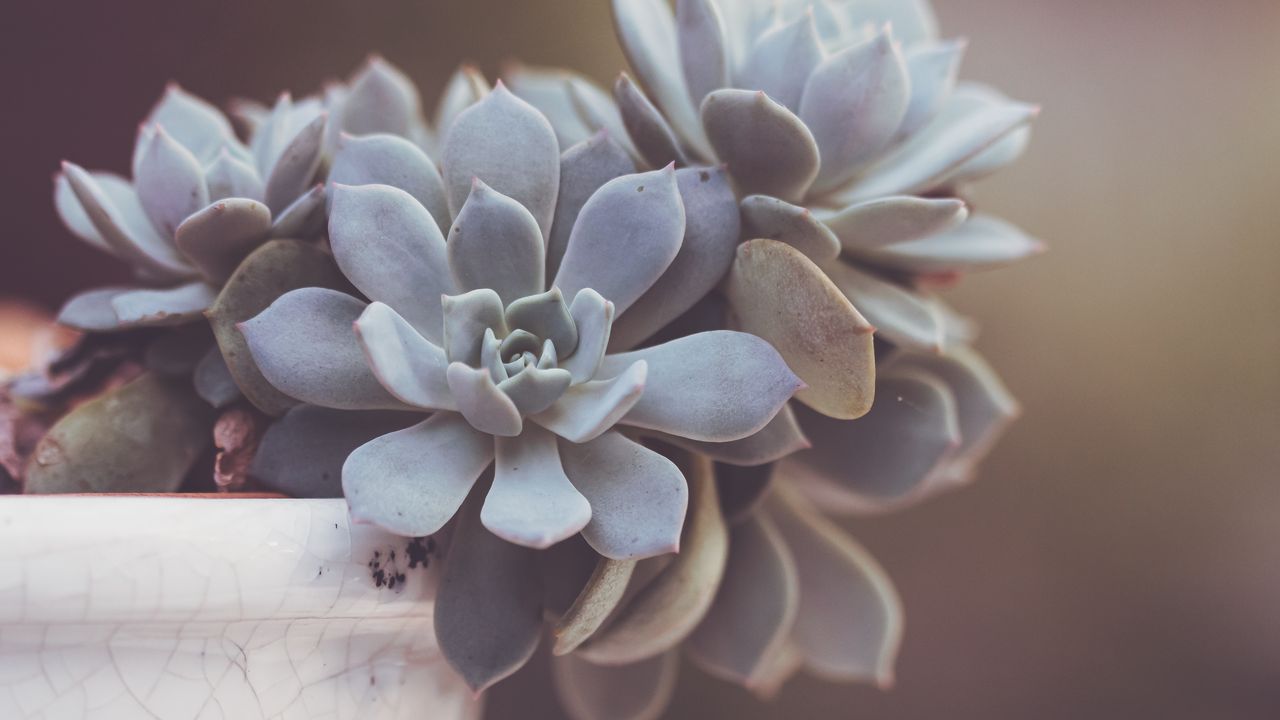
[[846, 136], [793, 592], [379, 99], [198, 203]]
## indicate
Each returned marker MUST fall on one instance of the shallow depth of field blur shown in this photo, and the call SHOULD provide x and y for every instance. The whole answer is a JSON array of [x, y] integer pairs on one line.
[[1120, 555]]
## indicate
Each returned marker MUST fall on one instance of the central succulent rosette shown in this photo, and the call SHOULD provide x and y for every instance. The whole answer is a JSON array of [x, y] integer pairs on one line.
[[502, 332]]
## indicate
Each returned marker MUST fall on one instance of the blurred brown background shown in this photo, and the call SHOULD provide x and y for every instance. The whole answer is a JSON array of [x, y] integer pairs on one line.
[[1120, 557]]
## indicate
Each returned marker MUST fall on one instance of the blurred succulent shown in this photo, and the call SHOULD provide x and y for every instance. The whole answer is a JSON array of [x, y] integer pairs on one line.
[[199, 202], [847, 138], [938, 416], [477, 331], [793, 592], [379, 99]]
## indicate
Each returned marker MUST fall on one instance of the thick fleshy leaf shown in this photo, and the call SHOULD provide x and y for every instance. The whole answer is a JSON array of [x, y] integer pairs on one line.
[[718, 386], [305, 345], [776, 669], [638, 497], [535, 389], [768, 149], [598, 111], [745, 21], [832, 26], [304, 218], [547, 89], [73, 214], [586, 410], [646, 30], [933, 70], [381, 99], [480, 401], [593, 318], [118, 218], [495, 243], [640, 691], [302, 453], [269, 272], [91, 310], [703, 55], [961, 131], [712, 224], [654, 139], [391, 249], [984, 406], [465, 88], [213, 381], [218, 237], [911, 431], [142, 437], [230, 177], [1001, 153], [895, 219], [547, 316], [593, 603], [532, 502], [782, 60], [849, 624], [296, 167], [170, 182], [391, 160], [170, 306], [854, 103], [626, 236], [980, 243], [755, 606], [387, 482], [899, 315], [781, 437], [780, 295], [488, 613], [772, 219], [279, 129], [584, 168], [668, 607], [466, 317], [194, 123], [510, 146], [408, 365]]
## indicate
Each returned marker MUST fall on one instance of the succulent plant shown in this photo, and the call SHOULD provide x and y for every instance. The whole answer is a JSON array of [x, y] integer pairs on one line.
[[847, 138], [198, 203], [560, 327], [502, 334]]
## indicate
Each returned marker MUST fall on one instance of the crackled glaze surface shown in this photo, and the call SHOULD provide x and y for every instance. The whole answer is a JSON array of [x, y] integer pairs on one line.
[[165, 607]]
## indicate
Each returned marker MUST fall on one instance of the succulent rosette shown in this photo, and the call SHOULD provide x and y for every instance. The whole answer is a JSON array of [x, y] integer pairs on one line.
[[500, 335], [847, 138], [199, 202]]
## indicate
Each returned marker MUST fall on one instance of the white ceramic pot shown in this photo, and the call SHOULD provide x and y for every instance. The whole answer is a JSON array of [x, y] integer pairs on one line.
[[179, 607]]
